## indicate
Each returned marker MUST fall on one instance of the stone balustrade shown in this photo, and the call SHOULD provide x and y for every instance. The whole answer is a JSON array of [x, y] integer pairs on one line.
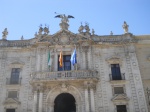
[[64, 75]]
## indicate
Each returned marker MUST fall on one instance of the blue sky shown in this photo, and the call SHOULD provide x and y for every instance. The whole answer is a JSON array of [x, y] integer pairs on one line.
[[23, 17]]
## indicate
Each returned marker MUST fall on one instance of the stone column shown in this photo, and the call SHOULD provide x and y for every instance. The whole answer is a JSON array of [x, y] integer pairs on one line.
[[35, 101], [92, 100], [40, 100], [51, 107], [77, 108], [86, 100]]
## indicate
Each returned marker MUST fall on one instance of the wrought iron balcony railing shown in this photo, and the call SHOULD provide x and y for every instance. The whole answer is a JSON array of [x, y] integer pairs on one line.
[[117, 77], [10, 81], [59, 75]]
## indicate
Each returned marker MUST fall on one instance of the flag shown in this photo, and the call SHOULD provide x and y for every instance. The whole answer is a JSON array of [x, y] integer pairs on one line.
[[73, 57], [49, 60], [61, 59]]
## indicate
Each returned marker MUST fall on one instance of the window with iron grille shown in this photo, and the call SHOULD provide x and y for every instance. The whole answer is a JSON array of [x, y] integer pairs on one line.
[[116, 74], [14, 79], [12, 94], [118, 90], [66, 63], [121, 108], [10, 110]]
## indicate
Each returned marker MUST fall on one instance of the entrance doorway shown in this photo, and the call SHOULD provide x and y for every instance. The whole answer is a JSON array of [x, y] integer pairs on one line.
[[64, 102]]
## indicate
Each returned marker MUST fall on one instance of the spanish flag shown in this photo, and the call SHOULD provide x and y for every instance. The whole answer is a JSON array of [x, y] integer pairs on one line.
[[61, 59]]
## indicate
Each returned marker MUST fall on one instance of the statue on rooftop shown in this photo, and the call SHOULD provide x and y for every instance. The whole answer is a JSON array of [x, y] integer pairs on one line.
[[64, 18], [125, 27], [111, 33], [87, 28], [5, 33], [22, 38], [64, 21], [93, 32], [81, 28], [40, 30]]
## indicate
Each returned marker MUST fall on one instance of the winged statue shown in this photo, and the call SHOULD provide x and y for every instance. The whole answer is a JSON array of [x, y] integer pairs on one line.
[[64, 18]]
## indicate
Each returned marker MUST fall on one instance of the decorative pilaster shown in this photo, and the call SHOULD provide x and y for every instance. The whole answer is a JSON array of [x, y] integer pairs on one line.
[[38, 60], [87, 107], [40, 101], [35, 102], [92, 100], [89, 96], [86, 49]]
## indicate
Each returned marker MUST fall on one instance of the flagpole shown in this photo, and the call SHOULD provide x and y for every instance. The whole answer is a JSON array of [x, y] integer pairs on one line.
[[48, 59], [75, 63], [62, 59]]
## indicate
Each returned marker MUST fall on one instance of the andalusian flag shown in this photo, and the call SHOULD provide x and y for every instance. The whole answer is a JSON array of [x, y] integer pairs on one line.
[[49, 60], [61, 59]]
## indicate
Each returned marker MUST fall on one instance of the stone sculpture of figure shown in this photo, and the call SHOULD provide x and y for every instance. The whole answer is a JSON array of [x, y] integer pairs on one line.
[[64, 21], [46, 30], [125, 27], [40, 30], [111, 33], [64, 18], [22, 38], [5, 33], [81, 28], [87, 28], [93, 32]]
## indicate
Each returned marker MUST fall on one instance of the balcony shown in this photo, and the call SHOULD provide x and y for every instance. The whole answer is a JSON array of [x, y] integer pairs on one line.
[[117, 79], [65, 75], [10, 81]]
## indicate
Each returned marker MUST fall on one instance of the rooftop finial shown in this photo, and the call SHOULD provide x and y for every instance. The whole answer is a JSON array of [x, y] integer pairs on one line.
[[22, 38], [5, 33]]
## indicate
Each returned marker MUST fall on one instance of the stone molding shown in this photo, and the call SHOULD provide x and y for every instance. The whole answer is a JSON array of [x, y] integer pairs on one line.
[[120, 99], [16, 64]]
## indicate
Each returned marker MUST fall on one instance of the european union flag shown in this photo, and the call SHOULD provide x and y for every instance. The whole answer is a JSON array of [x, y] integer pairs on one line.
[[73, 57]]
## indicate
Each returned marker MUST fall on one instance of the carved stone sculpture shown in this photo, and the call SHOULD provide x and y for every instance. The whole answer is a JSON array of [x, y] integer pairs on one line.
[[81, 28], [40, 30], [22, 38], [5, 33], [93, 32], [87, 28], [64, 21], [111, 33], [125, 27], [46, 30]]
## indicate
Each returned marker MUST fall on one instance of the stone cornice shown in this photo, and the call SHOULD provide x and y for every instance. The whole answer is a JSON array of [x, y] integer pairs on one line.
[[65, 37]]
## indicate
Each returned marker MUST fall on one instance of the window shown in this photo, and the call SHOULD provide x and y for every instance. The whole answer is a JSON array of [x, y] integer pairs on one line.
[[121, 108], [118, 90], [116, 74], [10, 110], [66, 63], [14, 79], [12, 94]]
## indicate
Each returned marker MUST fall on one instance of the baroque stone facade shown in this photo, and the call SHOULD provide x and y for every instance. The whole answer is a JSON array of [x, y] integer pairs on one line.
[[111, 74]]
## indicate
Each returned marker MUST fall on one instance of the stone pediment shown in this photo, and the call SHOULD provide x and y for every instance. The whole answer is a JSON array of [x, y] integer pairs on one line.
[[12, 101], [64, 37], [120, 97], [114, 59]]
